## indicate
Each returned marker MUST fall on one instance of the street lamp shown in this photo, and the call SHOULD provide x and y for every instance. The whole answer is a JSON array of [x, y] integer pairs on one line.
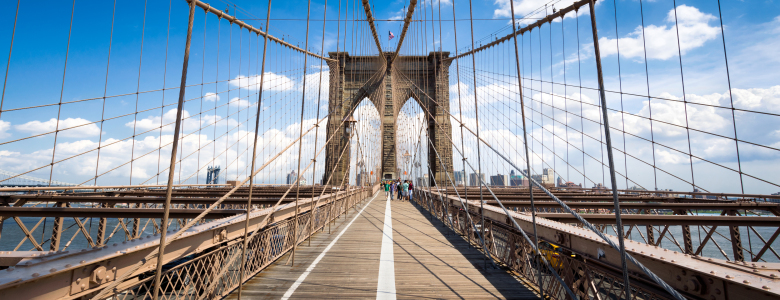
[[407, 156], [348, 129], [350, 123]]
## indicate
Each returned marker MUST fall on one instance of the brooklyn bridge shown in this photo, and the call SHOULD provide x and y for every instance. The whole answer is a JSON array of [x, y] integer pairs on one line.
[[447, 149]]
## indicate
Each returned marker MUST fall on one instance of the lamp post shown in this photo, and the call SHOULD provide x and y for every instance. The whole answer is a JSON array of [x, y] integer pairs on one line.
[[350, 124], [406, 158]]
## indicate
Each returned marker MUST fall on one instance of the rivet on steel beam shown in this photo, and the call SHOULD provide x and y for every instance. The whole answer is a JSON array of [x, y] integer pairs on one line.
[[36, 275], [81, 262], [52, 270], [746, 281]]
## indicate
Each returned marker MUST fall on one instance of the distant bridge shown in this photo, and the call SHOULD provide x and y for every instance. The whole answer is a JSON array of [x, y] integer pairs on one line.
[[28, 181]]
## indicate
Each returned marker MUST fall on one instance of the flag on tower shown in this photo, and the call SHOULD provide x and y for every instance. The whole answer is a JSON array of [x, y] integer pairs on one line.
[[391, 36]]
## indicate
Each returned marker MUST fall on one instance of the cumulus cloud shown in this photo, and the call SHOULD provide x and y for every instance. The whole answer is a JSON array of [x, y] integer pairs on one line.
[[661, 41], [398, 15], [169, 118], [528, 8], [4, 126], [70, 127], [240, 103], [197, 151], [211, 97], [273, 82]]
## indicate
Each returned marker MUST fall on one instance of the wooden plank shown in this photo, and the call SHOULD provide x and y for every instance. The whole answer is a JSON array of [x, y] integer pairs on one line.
[[430, 262]]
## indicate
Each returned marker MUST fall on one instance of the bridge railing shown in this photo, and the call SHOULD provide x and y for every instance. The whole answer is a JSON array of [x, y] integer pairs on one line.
[[191, 280], [206, 257], [588, 266], [508, 248]]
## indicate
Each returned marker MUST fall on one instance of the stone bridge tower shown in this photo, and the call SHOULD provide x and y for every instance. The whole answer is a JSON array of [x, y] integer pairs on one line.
[[388, 84]]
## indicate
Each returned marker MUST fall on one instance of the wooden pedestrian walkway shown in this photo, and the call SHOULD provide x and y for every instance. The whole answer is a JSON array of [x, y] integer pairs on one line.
[[364, 257]]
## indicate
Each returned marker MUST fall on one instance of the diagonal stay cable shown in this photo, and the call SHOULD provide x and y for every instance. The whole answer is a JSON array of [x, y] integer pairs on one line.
[[482, 183], [565, 207]]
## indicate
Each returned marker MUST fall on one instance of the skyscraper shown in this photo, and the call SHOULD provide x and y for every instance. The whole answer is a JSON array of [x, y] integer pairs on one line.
[[292, 177], [499, 180], [474, 180], [459, 177]]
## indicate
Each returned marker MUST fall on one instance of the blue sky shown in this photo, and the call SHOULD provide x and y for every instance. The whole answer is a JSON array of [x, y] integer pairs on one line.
[[35, 76]]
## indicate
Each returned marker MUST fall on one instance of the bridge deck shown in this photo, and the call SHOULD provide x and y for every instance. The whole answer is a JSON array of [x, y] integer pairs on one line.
[[427, 261]]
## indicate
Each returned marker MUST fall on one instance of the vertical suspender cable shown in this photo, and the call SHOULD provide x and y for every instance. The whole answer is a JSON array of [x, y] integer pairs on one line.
[[525, 138], [300, 143], [460, 110], [171, 172], [476, 115], [613, 179], [254, 154], [317, 130]]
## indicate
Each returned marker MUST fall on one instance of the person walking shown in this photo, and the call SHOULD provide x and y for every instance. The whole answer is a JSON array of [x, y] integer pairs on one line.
[[393, 189], [411, 191], [399, 191], [405, 190], [386, 186]]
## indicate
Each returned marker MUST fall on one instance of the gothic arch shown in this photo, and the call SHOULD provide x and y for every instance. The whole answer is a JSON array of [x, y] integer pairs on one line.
[[423, 78]]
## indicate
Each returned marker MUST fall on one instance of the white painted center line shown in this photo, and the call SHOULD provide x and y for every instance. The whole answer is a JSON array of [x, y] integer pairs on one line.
[[385, 288], [306, 273]]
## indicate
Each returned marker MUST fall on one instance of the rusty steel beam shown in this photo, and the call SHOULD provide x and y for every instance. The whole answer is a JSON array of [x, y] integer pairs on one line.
[[731, 205], [623, 193], [644, 219], [103, 213], [148, 200]]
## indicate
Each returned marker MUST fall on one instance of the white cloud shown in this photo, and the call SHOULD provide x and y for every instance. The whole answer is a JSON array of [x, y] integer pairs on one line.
[[188, 124], [398, 15], [211, 97], [530, 8], [273, 82], [662, 40], [85, 128], [241, 103], [4, 126]]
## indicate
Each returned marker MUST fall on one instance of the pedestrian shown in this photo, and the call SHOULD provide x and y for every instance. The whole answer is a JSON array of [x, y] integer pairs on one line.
[[405, 190], [399, 191], [386, 186], [411, 191], [393, 189]]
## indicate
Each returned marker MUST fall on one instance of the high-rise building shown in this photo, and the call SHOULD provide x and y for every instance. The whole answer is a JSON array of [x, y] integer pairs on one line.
[[515, 179], [459, 177], [292, 177], [474, 180], [499, 180], [546, 178], [561, 182]]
